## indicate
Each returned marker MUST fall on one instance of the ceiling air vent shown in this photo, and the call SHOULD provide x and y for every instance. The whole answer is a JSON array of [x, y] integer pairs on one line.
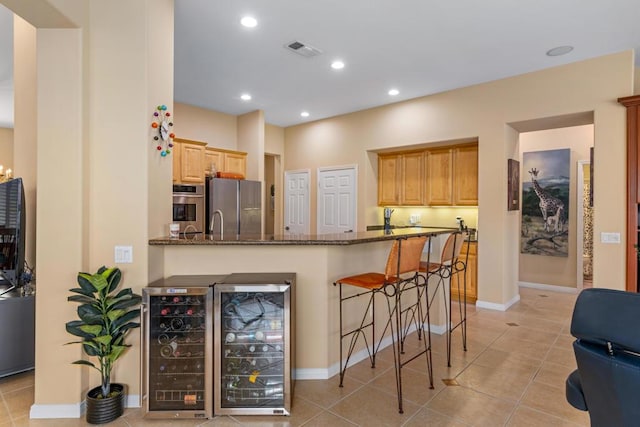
[[303, 49]]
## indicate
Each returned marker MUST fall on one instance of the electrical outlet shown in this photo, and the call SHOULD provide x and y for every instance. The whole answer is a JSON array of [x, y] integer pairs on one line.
[[610, 237]]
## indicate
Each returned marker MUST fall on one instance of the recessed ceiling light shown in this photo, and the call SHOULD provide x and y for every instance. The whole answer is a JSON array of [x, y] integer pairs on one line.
[[245, 97], [249, 21], [337, 65], [393, 92], [305, 114], [560, 50]]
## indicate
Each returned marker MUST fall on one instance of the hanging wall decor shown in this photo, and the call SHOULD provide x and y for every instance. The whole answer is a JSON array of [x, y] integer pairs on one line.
[[513, 185], [161, 125], [545, 203]]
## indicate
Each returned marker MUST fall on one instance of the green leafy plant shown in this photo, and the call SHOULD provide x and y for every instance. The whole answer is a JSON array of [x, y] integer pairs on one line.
[[105, 318]]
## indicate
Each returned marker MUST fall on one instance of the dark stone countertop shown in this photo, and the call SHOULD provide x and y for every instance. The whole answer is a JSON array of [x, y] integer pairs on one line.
[[336, 239]]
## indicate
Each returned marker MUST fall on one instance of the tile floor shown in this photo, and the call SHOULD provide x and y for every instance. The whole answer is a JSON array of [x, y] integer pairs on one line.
[[512, 375]]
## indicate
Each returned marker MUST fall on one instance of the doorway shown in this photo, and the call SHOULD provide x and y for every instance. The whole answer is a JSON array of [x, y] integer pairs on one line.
[[584, 228], [337, 199], [296, 202]]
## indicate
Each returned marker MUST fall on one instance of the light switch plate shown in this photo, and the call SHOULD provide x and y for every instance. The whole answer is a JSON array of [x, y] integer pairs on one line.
[[610, 237], [124, 254]]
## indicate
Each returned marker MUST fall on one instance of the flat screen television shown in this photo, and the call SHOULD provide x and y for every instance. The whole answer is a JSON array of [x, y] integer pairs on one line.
[[12, 233]]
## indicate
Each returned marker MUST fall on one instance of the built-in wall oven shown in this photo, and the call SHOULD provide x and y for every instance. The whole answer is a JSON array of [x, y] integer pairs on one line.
[[188, 207]]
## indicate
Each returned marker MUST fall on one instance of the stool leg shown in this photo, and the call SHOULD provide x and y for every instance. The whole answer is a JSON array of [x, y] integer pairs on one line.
[[355, 333], [342, 368]]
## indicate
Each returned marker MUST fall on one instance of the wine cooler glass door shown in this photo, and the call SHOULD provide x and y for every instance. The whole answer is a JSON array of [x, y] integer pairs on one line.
[[177, 352], [252, 344]]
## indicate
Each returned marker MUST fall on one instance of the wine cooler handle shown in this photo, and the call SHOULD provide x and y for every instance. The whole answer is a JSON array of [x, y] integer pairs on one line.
[[143, 342]]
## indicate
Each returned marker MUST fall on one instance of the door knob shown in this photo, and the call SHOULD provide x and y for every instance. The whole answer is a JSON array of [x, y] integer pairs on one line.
[[287, 228]]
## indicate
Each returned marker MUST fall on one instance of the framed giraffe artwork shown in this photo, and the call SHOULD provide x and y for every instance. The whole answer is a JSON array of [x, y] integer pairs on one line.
[[545, 203], [513, 185]]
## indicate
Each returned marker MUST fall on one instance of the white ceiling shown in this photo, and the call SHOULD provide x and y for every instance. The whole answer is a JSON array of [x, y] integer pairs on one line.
[[420, 47]]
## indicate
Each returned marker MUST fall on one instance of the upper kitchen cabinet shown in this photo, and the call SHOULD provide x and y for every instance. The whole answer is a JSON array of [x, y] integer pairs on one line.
[[188, 161], [234, 162], [401, 179], [465, 175], [412, 179], [389, 179], [440, 177], [452, 176]]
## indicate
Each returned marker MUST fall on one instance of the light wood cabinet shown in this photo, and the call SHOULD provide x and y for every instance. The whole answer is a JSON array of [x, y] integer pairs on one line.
[[401, 179], [465, 175], [192, 161], [188, 161], [446, 176], [412, 179], [388, 179], [235, 162], [471, 275], [225, 161], [215, 158], [440, 177]]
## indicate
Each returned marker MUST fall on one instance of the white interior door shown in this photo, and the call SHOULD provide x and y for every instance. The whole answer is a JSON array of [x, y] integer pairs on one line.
[[296, 202], [337, 200]]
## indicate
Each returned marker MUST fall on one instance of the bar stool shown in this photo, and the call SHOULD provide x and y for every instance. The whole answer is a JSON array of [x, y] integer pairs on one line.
[[452, 263], [400, 276]]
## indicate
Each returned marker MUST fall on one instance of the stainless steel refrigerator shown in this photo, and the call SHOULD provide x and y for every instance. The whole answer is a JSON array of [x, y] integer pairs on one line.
[[236, 203]]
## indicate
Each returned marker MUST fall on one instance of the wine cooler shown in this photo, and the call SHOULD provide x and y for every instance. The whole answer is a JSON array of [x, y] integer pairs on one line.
[[177, 358], [254, 357]]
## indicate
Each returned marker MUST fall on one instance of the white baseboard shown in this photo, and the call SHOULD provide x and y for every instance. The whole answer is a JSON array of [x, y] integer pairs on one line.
[[74, 410], [544, 287], [323, 374], [499, 307], [66, 410]]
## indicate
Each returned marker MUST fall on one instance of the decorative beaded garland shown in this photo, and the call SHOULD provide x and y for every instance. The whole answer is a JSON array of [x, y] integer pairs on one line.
[[161, 135]]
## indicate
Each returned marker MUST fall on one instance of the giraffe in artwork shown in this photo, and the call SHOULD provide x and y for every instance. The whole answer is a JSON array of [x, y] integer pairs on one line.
[[548, 203]]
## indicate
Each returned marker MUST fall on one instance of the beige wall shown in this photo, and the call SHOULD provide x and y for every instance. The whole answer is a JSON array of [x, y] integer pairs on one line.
[[483, 112], [636, 81], [115, 188], [216, 129], [25, 134], [274, 146], [251, 139], [547, 270]]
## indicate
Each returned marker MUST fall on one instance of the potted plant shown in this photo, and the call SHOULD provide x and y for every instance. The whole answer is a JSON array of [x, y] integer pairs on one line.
[[105, 318]]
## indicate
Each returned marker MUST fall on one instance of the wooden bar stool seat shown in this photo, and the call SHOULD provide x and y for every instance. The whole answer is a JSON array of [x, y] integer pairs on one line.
[[400, 275], [452, 262]]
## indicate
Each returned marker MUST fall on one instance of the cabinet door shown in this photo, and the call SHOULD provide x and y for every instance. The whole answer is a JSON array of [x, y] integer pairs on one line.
[[213, 158], [192, 163], [439, 177], [235, 163], [465, 178], [388, 179], [412, 182], [471, 275], [177, 161]]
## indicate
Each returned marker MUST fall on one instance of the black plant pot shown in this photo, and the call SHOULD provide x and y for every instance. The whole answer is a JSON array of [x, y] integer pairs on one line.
[[102, 411]]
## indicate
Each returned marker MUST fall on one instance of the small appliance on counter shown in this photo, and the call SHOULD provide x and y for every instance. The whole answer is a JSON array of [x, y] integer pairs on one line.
[[387, 217], [189, 208]]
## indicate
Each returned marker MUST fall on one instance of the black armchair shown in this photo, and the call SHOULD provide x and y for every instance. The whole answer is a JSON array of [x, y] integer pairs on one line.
[[606, 324]]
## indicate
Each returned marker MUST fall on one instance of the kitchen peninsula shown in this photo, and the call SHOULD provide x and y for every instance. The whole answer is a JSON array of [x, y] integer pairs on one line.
[[317, 260]]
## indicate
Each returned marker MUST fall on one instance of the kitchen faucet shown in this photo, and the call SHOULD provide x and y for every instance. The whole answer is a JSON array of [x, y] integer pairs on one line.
[[213, 222]]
